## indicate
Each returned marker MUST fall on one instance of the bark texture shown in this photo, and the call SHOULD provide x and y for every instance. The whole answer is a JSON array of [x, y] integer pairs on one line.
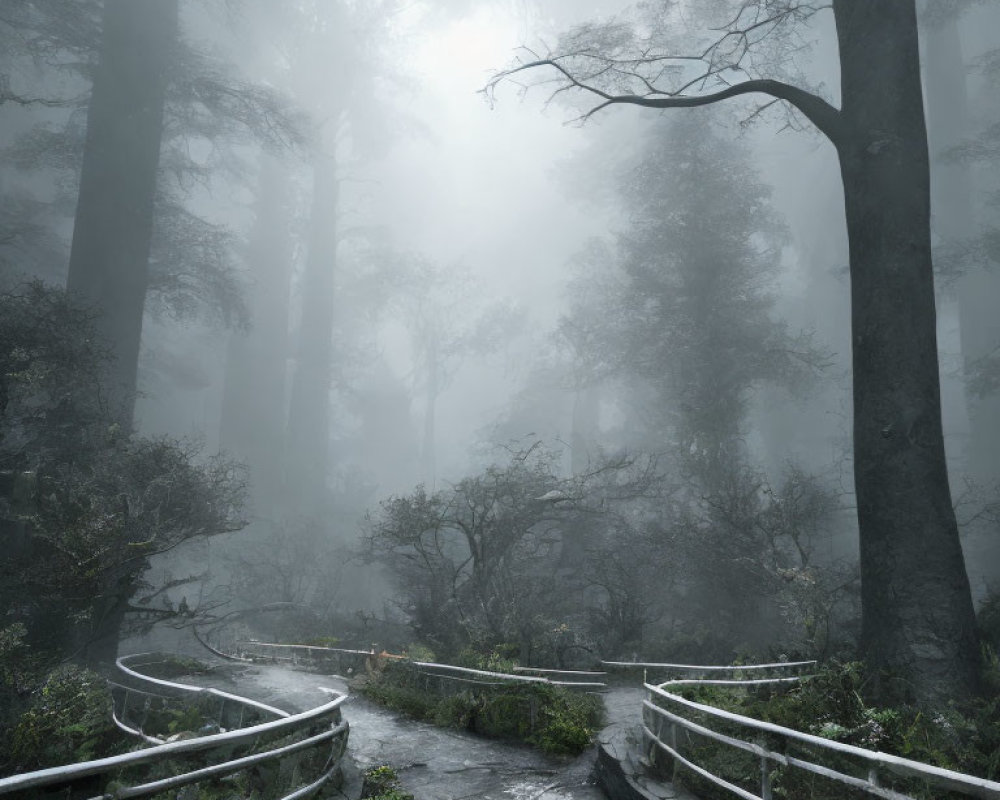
[[917, 620], [114, 217]]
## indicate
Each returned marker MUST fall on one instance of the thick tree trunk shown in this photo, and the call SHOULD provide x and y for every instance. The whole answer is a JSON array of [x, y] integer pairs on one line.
[[309, 414], [114, 217], [917, 620], [253, 403], [109, 259]]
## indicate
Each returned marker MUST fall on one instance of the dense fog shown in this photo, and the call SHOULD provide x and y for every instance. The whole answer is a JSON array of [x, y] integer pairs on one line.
[[437, 358]]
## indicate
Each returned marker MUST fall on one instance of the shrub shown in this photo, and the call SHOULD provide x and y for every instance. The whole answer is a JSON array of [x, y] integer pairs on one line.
[[382, 783], [556, 721], [68, 720]]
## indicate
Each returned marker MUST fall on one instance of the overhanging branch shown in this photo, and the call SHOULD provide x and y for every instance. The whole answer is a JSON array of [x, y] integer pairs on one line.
[[817, 110]]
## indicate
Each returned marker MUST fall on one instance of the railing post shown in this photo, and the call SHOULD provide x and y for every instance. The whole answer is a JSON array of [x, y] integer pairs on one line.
[[765, 778], [673, 745], [658, 734], [873, 776]]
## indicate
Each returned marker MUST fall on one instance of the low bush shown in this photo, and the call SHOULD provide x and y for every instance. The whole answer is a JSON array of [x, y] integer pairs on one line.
[[382, 783], [556, 721]]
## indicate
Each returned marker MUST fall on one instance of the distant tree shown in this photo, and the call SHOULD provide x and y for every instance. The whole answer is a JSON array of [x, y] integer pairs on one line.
[[682, 302], [918, 620], [474, 563], [965, 144], [114, 218], [190, 270], [449, 324], [335, 61], [253, 403]]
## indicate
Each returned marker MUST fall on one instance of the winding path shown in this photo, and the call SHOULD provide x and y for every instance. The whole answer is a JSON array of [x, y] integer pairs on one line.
[[432, 763]]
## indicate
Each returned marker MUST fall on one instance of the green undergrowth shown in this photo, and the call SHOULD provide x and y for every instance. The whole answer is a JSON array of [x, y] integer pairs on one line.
[[552, 719], [67, 719], [382, 783], [831, 705]]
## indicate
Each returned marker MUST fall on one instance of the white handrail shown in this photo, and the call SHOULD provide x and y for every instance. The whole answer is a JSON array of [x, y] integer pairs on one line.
[[183, 687], [937, 776], [558, 671], [285, 723], [709, 667], [442, 670], [310, 647]]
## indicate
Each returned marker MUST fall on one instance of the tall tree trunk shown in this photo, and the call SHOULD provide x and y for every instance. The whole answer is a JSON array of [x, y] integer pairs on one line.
[[253, 402], [917, 618], [109, 258], [309, 413], [429, 450]]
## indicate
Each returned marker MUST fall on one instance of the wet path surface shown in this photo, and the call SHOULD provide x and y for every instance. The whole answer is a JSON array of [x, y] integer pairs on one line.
[[432, 763]]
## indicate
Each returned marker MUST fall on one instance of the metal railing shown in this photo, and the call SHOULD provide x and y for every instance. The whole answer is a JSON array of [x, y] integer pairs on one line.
[[316, 656], [667, 729], [273, 751], [337, 659], [563, 678], [735, 671]]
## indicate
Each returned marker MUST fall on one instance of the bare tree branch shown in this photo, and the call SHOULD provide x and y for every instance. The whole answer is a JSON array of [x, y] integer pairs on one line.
[[626, 64]]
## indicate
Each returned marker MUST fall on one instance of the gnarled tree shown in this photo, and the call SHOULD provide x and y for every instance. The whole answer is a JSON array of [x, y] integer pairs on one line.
[[917, 618]]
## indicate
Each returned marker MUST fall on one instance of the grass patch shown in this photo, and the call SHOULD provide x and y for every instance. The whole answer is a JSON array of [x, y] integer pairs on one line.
[[550, 718]]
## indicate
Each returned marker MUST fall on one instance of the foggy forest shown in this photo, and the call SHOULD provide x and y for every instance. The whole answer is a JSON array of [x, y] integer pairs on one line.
[[520, 337]]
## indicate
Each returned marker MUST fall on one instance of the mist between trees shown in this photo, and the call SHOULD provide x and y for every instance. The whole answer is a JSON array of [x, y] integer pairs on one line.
[[485, 384]]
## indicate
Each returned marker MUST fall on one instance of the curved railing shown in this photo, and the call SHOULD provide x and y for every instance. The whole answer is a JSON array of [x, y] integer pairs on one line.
[[565, 679], [272, 751], [337, 658], [736, 671], [327, 659], [668, 728]]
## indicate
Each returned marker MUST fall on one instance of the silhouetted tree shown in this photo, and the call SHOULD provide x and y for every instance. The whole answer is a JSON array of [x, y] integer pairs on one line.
[[918, 619], [96, 502], [109, 260], [474, 563]]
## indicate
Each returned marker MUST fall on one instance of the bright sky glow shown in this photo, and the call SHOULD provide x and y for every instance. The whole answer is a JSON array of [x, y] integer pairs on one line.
[[462, 54]]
